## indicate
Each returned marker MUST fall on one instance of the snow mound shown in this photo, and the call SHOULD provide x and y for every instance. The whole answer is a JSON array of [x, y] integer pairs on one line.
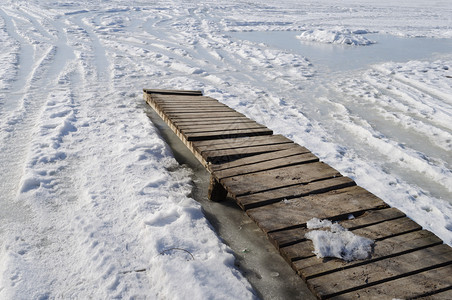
[[342, 36], [337, 241]]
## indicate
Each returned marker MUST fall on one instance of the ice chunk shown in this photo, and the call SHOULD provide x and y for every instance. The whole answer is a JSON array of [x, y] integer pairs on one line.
[[344, 37]]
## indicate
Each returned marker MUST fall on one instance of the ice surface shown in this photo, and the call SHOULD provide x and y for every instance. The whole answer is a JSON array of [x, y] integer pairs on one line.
[[94, 204]]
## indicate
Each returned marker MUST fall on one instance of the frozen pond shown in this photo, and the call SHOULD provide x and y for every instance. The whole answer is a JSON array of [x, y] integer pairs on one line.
[[337, 58], [349, 92], [88, 183]]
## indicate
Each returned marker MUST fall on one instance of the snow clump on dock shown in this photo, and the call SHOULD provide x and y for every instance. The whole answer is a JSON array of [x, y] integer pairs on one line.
[[337, 241]]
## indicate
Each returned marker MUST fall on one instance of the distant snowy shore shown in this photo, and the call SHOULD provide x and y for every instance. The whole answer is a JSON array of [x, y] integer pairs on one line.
[[94, 205]]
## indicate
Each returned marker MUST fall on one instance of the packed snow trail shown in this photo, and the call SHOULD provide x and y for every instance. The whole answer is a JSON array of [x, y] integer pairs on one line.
[[94, 204], [103, 201]]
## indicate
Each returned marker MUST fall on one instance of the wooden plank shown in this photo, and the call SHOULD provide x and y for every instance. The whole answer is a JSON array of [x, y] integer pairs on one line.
[[286, 151], [175, 99], [204, 110], [207, 121], [224, 123], [182, 100], [193, 103], [440, 294], [230, 124], [373, 231], [237, 129], [304, 248], [296, 212], [380, 271], [172, 92], [287, 161], [278, 178], [231, 155], [222, 127], [190, 106], [414, 286], [198, 136], [175, 96], [241, 143], [291, 236], [199, 101], [212, 116], [303, 189], [391, 246], [164, 105]]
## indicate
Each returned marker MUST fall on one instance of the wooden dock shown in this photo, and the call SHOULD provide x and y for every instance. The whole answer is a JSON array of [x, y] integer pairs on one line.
[[282, 185]]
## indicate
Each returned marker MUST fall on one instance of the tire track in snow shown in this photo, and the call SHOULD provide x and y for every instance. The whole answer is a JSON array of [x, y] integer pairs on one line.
[[78, 196], [369, 115], [23, 65], [98, 57], [412, 100], [387, 109], [49, 171], [38, 23], [19, 125]]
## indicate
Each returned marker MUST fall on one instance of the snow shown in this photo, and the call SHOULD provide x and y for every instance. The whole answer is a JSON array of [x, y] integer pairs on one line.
[[337, 241], [338, 36], [94, 204]]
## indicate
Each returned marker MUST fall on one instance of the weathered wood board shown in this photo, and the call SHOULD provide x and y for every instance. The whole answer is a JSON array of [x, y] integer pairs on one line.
[[225, 156], [289, 192], [256, 160], [172, 92], [278, 178], [221, 127], [332, 205], [394, 245], [220, 134], [229, 124], [410, 287], [381, 271], [289, 236], [282, 185]]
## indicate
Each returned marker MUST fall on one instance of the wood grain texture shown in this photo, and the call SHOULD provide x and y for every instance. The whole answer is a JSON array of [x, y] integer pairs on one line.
[[227, 143], [291, 236], [220, 134], [214, 115], [221, 127], [267, 165], [380, 271], [266, 180], [223, 124], [172, 92], [333, 204], [430, 281], [230, 156], [289, 192], [289, 149], [403, 237], [409, 287]]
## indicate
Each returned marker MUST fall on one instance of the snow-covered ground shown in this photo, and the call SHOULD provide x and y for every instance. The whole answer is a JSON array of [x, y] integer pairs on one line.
[[92, 202]]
